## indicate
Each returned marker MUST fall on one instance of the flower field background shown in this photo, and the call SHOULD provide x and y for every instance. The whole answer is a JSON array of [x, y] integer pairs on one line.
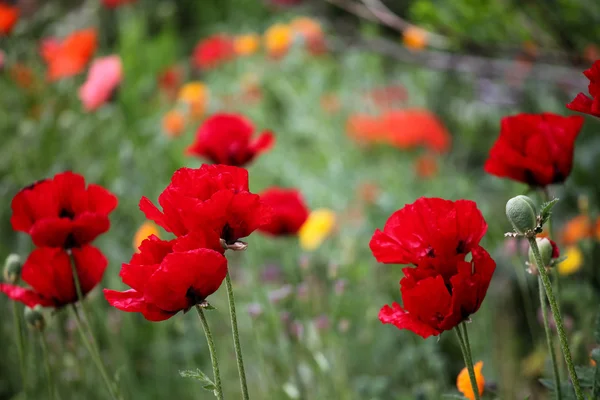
[[361, 119]]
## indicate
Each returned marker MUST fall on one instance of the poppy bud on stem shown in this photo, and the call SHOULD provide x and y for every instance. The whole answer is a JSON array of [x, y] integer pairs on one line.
[[35, 319], [12, 268], [545, 280], [522, 214]]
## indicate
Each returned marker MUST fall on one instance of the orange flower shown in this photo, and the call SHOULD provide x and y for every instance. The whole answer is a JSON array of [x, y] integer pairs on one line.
[[591, 53], [426, 166], [278, 39], [246, 45], [577, 229], [365, 128], [144, 231], [312, 33], [369, 192], [22, 75], [195, 96], [9, 16], [414, 38], [409, 128], [69, 57], [463, 382], [173, 123]]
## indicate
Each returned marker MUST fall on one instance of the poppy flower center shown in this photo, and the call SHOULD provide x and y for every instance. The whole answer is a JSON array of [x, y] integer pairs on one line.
[[193, 296], [227, 234], [64, 213]]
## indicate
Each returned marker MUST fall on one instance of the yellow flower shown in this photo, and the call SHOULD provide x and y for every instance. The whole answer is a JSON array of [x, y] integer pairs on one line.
[[317, 227], [143, 232], [278, 39], [573, 262], [463, 381], [195, 96], [414, 38], [246, 45]]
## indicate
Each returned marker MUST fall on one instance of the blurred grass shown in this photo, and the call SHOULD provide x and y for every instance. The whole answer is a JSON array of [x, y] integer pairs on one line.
[[352, 356]]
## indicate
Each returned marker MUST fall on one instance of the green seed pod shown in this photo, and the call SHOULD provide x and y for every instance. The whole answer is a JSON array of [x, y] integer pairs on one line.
[[522, 214], [35, 318], [545, 251], [12, 268]]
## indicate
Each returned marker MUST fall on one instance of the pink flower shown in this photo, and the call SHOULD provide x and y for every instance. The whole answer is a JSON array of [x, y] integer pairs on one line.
[[103, 78]]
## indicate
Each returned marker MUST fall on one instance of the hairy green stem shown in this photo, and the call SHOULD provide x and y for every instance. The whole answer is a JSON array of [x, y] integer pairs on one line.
[[95, 357], [562, 336], [213, 353], [51, 389], [549, 340], [236, 337], [18, 316], [466, 352]]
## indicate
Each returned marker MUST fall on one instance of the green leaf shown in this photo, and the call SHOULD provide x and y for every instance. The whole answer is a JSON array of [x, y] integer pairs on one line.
[[210, 388], [546, 211], [209, 307], [197, 374]]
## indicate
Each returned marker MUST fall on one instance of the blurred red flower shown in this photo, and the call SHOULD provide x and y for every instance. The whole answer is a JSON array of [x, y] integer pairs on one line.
[[48, 271], [430, 227], [116, 3], [583, 103], [536, 149], [288, 208], [444, 289], [70, 56], [170, 276], [104, 77], [9, 15], [225, 139], [62, 212], [212, 196], [386, 97], [212, 51], [170, 80]]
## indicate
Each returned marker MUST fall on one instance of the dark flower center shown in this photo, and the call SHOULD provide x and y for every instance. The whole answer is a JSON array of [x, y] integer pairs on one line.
[[64, 213], [227, 234], [460, 248], [193, 296]]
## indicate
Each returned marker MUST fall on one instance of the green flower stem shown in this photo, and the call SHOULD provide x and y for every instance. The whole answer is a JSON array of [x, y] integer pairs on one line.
[[95, 357], [17, 320], [213, 353], [236, 337], [51, 389], [466, 352], [91, 344], [562, 336], [549, 340]]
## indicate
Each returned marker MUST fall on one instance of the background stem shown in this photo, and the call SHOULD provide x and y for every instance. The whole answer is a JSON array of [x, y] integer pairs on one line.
[[213, 353], [51, 389], [236, 337], [549, 340], [464, 347], [562, 336], [20, 343]]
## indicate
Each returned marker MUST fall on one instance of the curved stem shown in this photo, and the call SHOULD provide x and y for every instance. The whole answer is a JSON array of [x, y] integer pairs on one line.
[[20, 343], [236, 337], [213, 353], [464, 347], [51, 389], [94, 356], [549, 340], [562, 336]]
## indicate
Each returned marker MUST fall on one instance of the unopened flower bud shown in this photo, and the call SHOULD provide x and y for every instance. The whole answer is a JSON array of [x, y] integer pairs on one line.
[[35, 318], [12, 268], [546, 250], [522, 214]]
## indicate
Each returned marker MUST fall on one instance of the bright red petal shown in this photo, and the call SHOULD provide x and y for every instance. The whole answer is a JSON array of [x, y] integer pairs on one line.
[[132, 301], [26, 296], [90, 264], [403, 320], [88, 226], [52, 232]]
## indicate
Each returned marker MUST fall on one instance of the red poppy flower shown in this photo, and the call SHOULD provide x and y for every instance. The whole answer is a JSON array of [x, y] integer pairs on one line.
[[433, 303], [170, 276], [288, 208], [213, 196], [430, 228], [48, 271], [212, 51], [62, 212], [9, 16], [225, 139], [409, 128], [116, 3], [536, 149], [70, 56], [583, 103]]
